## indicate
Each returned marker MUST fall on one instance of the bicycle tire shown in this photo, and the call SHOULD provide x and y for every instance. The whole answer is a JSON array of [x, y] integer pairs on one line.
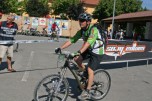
[[15, 47], [49, 86], [102, 84]]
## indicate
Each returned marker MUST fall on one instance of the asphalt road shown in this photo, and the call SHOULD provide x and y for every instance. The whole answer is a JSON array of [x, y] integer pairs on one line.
[[35, 61]]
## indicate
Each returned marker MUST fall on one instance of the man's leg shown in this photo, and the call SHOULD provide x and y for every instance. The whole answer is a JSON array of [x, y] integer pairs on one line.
[[79, 60], [3, 50], [90, 78], [9, 58], [9, 63]]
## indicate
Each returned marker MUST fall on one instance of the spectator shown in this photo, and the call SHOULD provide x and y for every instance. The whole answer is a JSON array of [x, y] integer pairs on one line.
[[110, 34], [121, 35], [8, 30]]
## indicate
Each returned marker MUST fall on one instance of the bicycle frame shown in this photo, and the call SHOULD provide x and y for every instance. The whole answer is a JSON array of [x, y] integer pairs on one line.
[[67, 64]]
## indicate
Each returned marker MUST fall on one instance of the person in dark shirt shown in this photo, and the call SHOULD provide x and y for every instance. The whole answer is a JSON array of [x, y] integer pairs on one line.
[[8, 30]]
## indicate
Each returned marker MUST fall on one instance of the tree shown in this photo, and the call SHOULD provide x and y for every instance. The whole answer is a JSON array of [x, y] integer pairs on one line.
[[67, 8], [105, 8], [11, 6], [74, 10], [37, 8], [59, 6]]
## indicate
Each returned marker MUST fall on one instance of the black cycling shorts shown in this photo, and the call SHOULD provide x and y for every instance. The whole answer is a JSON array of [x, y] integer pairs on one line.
[[93, 59]]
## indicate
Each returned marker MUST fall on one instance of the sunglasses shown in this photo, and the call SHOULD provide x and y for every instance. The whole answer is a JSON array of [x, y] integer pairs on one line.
[[82, 20]]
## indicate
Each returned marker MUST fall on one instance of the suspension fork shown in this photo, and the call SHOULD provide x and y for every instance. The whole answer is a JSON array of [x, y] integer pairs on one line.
[[62, 74]]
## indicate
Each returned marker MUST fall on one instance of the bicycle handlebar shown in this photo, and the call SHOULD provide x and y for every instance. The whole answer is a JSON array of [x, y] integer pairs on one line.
[[66, 54]]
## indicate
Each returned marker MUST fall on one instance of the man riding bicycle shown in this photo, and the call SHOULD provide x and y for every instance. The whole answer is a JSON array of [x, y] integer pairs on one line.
[[91, 49]]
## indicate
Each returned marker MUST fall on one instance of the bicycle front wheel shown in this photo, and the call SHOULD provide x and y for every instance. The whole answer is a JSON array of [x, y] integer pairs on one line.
[[49, 89], [101, 86]]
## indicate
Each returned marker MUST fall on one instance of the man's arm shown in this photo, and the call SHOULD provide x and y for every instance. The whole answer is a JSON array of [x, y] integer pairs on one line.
[[72, 40], [66, 44], [91, 40], [85, 46]]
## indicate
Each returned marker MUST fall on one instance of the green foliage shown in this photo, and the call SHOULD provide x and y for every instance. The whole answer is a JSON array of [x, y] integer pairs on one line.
[[11, 6], [74, 10], [105, 8], [67, 8], [59, 6], [37, 8]]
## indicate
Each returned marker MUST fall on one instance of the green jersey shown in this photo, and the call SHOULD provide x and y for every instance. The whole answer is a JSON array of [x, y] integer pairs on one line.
[[96, 45]]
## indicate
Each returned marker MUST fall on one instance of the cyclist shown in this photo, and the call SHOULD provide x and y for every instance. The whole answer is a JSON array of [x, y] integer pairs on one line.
[[55, 30], [91, 49]]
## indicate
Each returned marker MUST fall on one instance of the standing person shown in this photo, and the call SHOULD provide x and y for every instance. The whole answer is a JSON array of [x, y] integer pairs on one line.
[[121, 35], [8, 30], [92, 49], [110, 33]]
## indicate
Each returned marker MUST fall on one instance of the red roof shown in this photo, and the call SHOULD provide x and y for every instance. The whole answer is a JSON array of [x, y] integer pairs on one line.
[[91, 2], [141, 14]]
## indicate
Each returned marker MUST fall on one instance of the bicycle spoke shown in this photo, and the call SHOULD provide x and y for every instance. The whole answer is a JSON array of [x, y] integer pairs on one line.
[[101, 86], [46, 89]]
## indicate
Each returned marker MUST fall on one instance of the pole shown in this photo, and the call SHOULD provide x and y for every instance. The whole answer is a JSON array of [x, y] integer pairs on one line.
[[114, 7]]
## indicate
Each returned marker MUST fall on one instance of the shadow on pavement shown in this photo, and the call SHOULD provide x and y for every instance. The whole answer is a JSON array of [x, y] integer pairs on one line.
[[74, 91], [28, 70], [4, 65]]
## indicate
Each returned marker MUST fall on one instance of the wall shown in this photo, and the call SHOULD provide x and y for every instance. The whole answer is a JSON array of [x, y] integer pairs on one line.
[[73, 26]]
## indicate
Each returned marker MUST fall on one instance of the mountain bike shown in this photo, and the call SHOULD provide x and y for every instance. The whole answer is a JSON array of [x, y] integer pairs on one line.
[[54, 35], [55, 87]]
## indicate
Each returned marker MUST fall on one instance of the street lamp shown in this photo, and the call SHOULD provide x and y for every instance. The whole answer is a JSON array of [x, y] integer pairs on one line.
[[114, 7]]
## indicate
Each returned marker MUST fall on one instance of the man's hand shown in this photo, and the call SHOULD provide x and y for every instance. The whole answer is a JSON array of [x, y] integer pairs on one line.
[[58, 50], [78, 53]]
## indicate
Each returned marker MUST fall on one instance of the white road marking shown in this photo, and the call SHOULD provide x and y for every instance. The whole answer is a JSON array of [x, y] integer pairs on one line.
[[26, 74], [149, 71]]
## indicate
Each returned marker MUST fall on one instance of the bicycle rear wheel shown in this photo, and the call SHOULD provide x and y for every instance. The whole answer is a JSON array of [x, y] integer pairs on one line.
[[45, 90], [101, 86]]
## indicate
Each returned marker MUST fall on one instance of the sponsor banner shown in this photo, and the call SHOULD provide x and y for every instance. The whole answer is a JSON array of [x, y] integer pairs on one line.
[[127, 50]]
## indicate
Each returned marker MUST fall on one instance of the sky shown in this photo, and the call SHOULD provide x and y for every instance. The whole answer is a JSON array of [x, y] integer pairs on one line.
[[147, 4]]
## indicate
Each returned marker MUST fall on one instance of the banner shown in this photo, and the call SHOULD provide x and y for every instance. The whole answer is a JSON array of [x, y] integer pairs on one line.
[[127, 50], [26, 20], [42, 21], [35, 21], [58, 22], [65, 24]]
